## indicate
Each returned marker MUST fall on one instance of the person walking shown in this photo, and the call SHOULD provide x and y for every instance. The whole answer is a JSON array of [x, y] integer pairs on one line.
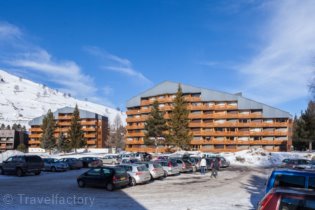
[[215, 166], [203, 164]]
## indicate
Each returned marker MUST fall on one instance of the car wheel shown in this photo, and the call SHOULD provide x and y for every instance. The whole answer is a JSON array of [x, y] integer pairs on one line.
[[165, 174], [81, 183], [132, 181], [53, 169], [109, 186], [37, 173], [151, 178], [19, 172]]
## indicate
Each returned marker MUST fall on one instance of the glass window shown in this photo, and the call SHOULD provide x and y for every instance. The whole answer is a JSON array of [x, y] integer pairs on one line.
[[106, 171], [291, 203], [94, 172], [142, 168], [311, 183], [289, 181]]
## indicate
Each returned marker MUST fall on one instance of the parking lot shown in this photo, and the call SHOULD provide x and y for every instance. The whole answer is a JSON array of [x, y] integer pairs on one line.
[[235, 188]]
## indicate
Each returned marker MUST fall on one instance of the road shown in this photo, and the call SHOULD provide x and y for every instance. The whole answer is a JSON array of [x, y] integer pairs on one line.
[[235, 188]]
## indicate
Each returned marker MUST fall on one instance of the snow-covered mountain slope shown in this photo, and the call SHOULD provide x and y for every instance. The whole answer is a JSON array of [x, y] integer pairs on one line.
[[21, 100]]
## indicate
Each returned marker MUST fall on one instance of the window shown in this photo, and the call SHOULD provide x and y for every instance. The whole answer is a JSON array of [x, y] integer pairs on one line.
[[289, 181], [94, 172], [106, 171], [311, 183]]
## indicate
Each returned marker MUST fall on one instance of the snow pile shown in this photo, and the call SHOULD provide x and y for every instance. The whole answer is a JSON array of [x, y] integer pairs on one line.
[[21, 100], [262, 158], [5, 155]]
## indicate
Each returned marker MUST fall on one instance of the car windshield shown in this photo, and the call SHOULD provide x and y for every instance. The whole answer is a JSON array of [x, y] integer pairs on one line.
[[157, 165], [142, 168]]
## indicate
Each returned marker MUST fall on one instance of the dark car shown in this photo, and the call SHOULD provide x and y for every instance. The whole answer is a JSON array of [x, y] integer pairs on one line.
[[22, 164], [73, 163], [296, 163], [287, 199], [146, 156], [91, 162], [107, 176]]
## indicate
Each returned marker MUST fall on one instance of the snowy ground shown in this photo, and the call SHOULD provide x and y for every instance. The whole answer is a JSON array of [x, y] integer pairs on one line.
[[235, 188]]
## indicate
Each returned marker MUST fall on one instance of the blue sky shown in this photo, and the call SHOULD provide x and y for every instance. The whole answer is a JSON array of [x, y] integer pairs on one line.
[[109, 51]]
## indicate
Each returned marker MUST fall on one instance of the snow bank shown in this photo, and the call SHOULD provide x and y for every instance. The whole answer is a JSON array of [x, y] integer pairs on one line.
[[262, 158]]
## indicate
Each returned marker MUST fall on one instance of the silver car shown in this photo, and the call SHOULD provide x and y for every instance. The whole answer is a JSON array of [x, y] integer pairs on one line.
[[170, 167], [138, 173], [155, 169], [51, 164], [110, 159]]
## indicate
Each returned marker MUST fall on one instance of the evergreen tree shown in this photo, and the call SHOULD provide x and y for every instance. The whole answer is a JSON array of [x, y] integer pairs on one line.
[[24, 128], [75, 132], [63, 143], [155, 127], [8, 127], [2, 127], [21, 147], [179, 133], [14, 126], [48, 140], [304, 127], [297, 128]]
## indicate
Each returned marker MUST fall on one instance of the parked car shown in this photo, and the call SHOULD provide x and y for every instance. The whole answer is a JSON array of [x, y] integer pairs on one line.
[[287, 178], [209, 162], [184, 165], [170, 167], [195, 160], [110, 177], [143, 156], [155, 169], [73, 163], [21, 164], [296, 163], [288, 199], [91, 162], [52, 164], [138, 173], [110, 159], [129, 161]]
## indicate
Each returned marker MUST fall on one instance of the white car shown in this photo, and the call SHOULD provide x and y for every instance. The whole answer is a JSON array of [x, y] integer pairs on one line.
[[110, 159]]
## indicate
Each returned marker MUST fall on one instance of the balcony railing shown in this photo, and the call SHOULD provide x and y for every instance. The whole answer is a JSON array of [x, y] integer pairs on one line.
[[134, 127], [140, 134], [35, 129], [136, 119], [89, 135]]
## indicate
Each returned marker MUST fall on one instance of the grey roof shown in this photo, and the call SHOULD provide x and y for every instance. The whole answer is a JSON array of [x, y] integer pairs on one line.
[[168, 87], [68, 110]]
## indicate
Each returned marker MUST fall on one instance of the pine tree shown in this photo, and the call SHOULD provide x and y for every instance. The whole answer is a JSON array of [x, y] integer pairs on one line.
[[63, 143], [75, 132], [21, 147], [155, 127], [179, 133], [14, 126], [48, 140], [304, 127], [2, 127], [8, 127], [298, 126]]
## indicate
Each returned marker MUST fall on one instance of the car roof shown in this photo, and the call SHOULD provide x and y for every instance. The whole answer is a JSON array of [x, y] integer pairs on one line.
[[293, 172]]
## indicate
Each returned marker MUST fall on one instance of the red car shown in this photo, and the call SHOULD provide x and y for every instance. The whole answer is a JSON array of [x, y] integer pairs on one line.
[[288, 199]]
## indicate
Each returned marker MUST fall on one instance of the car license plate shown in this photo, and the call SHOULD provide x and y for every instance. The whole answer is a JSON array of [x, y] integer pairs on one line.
[[123, 178]]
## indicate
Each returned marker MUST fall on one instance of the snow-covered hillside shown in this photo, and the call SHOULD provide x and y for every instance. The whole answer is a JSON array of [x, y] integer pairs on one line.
[[21, 100]]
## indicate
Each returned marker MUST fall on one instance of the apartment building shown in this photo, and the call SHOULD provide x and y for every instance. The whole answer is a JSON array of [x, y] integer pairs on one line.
[[10, 139], [94, 127], [219, 121]]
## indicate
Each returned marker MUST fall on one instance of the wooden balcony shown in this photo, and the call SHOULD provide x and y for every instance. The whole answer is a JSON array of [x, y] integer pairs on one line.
[[88, 122], [89, 135], [238, 142], [140, 134], [133, 111], [145, 149], [195, 116], [34, 142], [63, 130], [195, 124], [165, 100], [35, 129], [64, 123], [64, 117], [89, 142], [136, 119], [136, 142], [134, 127], [89, 129], [35, 136], [192, 99]]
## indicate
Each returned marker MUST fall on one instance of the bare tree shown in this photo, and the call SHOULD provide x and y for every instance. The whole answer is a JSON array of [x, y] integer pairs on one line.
[[117, 133]]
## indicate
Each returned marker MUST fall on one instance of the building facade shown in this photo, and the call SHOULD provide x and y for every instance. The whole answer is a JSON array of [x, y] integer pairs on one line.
[[219, 121], [10, 139], [94, 127]]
